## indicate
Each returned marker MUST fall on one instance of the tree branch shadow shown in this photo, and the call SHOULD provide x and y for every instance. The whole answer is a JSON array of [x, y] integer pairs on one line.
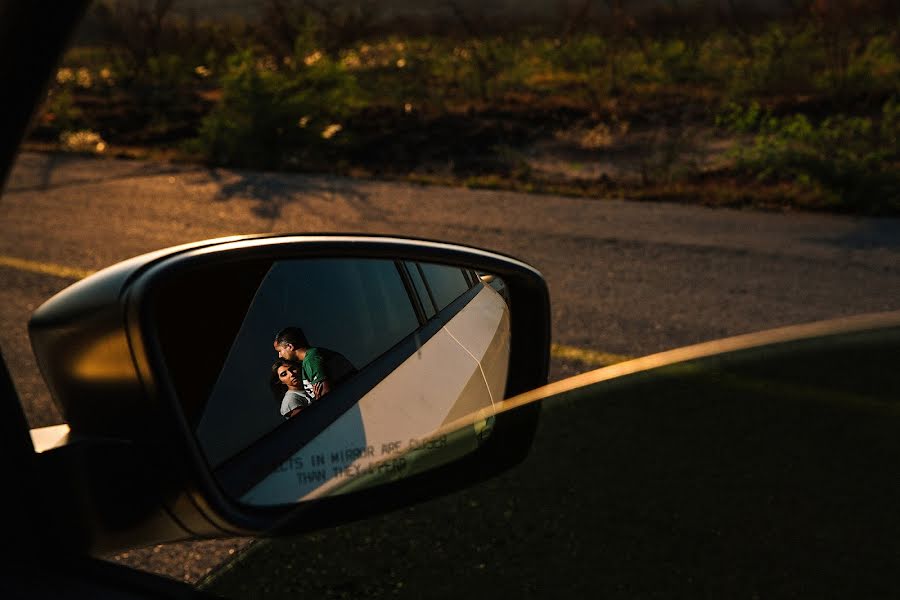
[[271, 193]]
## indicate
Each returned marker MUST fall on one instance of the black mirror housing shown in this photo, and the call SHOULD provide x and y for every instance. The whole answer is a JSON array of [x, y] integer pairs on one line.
[[109, 348]]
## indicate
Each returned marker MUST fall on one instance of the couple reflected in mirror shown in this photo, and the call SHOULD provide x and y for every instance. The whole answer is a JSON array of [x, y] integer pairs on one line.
[[303, 374]]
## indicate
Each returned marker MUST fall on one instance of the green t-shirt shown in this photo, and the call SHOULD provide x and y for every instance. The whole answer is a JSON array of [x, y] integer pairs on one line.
[[320, 364], [314, 366]]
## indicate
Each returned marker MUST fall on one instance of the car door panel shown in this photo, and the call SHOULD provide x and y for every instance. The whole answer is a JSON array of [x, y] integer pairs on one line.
[[483, 329]]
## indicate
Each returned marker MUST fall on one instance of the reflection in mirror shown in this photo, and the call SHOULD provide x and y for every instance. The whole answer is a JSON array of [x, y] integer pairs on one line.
[[346, 373]]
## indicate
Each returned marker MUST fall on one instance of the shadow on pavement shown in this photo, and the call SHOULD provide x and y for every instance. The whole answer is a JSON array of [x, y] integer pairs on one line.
[[272, 192]]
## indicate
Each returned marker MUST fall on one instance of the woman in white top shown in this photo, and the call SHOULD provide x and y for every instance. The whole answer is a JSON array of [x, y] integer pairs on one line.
[[287, 382]]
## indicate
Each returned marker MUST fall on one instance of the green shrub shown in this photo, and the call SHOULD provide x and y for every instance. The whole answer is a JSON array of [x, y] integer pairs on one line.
[[165, 87], [681, 62], [580, 53], [270, 116], [60, 113], [783, 61], [853, 161], [400, 72], [875, 72], [482, 69]]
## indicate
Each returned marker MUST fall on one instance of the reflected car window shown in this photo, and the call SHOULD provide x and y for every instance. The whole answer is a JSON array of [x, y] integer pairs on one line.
[[415, 275], [446, 283]]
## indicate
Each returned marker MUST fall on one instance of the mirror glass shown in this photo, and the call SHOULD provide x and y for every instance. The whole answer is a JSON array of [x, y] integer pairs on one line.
[[344, 373]]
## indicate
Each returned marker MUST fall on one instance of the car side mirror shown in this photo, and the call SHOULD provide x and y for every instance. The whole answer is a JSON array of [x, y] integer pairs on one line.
[[232, 385]]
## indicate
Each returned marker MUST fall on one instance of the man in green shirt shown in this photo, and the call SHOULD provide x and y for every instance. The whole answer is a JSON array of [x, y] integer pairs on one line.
[[322, 368]]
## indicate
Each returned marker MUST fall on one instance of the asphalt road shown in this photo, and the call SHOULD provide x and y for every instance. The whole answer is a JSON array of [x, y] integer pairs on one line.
[[625, 278]]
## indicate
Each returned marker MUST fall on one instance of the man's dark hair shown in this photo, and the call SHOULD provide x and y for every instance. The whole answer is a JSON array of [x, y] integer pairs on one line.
[[293, 336]]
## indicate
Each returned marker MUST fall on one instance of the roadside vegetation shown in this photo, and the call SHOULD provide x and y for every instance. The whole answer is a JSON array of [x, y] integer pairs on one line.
[[795, 108]]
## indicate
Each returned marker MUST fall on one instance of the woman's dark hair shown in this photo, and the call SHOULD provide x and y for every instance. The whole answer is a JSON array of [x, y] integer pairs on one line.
[[278, 388]]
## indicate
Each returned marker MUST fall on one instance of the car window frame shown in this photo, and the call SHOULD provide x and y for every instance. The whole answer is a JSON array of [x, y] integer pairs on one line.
[[419, 304]]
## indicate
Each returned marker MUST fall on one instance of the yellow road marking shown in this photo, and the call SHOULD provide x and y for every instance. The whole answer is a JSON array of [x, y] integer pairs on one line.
[[590, 357], [593, 358], [33, 266]]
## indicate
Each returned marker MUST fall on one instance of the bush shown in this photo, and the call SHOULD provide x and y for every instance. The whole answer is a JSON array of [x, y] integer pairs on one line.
[[165, 87], [60, 113], [270, 116], [784, 61], [853, 161], [873, 72], [480, 68]]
